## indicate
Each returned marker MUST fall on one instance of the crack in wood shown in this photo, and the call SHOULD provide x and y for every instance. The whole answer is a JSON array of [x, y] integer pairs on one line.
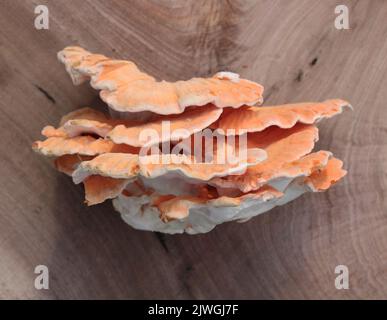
[[300, 76], [313, 62], [162, 240], [46, 94]]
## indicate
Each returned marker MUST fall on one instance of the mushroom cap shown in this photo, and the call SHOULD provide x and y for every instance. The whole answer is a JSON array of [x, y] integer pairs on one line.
[[283, 146], [162, 129], [82, 145], [78, 122], [99, 189], [126, 89], [256, 177], [254, 119], [129, 166], [69, 162], [190, 214], [322, 179], [135, 133]]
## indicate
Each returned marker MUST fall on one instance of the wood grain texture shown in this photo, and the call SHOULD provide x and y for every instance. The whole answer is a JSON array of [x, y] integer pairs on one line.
[[293, 49]]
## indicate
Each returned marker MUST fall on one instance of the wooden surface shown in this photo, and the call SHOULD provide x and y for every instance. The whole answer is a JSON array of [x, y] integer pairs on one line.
[[294, 50]]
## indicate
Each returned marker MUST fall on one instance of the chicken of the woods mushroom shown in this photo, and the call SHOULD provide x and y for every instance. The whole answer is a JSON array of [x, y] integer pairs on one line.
[[185, 156]]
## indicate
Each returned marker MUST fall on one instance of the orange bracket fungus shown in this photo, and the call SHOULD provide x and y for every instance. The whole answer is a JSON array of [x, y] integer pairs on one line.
[[185, 156]]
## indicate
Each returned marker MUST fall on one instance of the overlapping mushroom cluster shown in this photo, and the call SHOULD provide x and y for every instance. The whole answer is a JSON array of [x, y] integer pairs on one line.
[[184, 192]]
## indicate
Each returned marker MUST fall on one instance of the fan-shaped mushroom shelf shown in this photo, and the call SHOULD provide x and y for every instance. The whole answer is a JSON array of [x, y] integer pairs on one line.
[[144, 153]]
